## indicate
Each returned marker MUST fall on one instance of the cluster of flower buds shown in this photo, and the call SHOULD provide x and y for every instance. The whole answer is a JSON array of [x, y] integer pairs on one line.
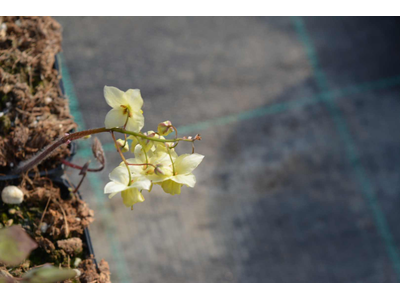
[[155, 159]]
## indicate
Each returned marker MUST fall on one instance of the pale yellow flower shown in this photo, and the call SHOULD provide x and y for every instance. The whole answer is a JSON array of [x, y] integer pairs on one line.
[[126, 109], [158, 158], [131, 194], [184, 165]]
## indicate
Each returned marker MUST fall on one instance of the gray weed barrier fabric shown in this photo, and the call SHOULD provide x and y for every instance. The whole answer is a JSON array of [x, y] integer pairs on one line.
[[299, 119]]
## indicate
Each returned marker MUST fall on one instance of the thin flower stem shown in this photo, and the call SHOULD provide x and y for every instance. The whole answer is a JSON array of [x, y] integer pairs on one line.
[[125, 142], [120, 130], [68, 138], [173, 165], [145, 153], [146, 164], [126, 122], [69, 164], [176, 131], [123, 158], [176, 136], [80, 182], [83, 133]]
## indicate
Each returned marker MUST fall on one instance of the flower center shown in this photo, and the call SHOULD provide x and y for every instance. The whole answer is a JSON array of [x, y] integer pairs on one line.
[[127, 110]]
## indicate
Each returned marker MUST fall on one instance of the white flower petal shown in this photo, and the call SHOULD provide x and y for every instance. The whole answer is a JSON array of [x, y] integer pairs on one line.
[[142, 183], [120, 175], [186, 163], [158, 178], [114, 97], [135, 122], [115, 118], [139, 154], [114, 187], [111, 195], [134, 99], [136, 171], [188, 180]]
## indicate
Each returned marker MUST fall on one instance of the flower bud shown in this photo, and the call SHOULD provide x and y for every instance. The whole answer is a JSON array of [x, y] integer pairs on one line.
[[12, 195], [121, 144], [149, 144], [158, 170], [169, 144], [165, 128]]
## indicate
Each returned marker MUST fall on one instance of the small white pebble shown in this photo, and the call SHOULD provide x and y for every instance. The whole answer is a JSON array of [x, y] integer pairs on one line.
[[3, 27], [79, 219], [60, 125], [78, 273], [12, 195], [48, 100], [43, 227], [1, 114], [8, 104], [77, 262], [18, 23], [11, 164]]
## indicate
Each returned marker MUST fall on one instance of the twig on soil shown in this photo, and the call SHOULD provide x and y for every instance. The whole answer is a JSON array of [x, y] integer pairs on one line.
[[44, 212], [65, 218]]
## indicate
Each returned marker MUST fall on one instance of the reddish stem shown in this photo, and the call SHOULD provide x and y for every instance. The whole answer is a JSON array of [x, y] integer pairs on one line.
[[69, 164], [80, 182]]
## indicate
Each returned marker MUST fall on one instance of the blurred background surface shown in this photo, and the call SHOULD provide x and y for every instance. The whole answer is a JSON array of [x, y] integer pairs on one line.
[[299, 119]]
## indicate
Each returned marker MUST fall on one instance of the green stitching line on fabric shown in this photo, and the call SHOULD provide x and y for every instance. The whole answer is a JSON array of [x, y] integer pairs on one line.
[[94, 179], [351, 149]]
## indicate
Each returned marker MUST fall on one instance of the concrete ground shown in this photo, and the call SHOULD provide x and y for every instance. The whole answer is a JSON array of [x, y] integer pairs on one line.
[[299, 119]]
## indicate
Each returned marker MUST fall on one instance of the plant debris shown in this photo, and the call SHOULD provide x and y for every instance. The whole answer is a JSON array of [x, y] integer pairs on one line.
[[62, 242], [33, 110], [70, 246], [90, 274]]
